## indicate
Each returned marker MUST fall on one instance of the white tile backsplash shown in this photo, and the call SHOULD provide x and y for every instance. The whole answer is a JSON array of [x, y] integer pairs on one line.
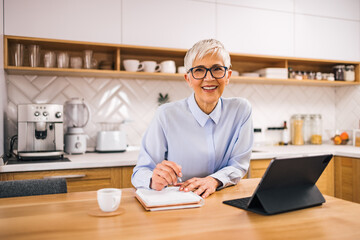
[[114, 100]]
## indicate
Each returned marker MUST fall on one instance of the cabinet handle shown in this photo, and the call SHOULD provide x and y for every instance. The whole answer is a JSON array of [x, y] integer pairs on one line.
[[66, 176]]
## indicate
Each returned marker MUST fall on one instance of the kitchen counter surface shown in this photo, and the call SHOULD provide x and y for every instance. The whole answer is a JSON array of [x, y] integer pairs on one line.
[[129, 158]]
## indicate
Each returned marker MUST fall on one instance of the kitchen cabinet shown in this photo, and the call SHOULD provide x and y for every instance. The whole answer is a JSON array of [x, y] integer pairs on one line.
[[328, 37], [79, 180], [278, 5], [347, 178], [340, 9], [81, 20], [167, 23], [325, 183], [256, 31], [116, 53]]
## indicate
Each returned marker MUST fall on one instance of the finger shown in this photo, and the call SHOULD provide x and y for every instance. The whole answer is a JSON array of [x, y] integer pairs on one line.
[[175, 167], [207, 193], [192, 186], [164, 174], [186, 184], [167, 172], [157, 182], [200, 190]]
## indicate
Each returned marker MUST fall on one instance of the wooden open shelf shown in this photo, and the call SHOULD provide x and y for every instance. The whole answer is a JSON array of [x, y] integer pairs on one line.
[[118, 52]]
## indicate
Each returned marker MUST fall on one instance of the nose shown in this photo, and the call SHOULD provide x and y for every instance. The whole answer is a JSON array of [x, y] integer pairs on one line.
[[208, 76]]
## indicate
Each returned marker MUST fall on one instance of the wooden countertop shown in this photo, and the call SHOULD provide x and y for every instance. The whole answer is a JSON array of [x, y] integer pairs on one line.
[[64, 216]]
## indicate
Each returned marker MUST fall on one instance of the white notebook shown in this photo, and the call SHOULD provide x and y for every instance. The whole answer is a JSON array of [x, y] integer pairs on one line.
[[168, 198]]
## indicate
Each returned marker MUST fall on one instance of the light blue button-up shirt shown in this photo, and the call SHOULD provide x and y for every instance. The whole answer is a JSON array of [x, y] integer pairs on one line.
[[217, 145]]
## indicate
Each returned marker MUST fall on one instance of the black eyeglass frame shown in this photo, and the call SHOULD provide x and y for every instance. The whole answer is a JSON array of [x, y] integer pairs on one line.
[[207, 70]]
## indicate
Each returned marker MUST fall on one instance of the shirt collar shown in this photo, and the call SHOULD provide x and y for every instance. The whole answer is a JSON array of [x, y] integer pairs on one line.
[[202, 117]]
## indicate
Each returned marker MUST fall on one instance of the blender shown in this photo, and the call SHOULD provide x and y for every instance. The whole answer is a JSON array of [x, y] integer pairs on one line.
[[77, 115]]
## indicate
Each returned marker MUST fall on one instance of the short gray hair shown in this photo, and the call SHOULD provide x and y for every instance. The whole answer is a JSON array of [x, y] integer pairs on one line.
[[204, 47]]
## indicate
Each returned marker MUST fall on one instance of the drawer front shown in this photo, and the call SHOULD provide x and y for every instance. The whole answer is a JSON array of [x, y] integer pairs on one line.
[[77, 179]]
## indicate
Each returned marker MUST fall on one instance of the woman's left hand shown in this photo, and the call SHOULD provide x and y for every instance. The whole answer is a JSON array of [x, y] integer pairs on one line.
[[201, 186]]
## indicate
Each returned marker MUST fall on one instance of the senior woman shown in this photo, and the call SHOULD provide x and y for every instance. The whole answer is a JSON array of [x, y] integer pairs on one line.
[[204, 139]]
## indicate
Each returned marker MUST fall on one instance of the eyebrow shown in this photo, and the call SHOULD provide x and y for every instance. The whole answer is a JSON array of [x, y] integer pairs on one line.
[[215, 65]]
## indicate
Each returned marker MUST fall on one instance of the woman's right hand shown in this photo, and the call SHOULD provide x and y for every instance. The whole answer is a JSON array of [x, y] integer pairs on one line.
[[165, 174]]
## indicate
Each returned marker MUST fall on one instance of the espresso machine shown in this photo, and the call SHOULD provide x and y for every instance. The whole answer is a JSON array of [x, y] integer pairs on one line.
[[40, 131]]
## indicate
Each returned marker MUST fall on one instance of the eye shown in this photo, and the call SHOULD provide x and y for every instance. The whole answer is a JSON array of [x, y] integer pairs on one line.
[[199, 70], [217, 68]]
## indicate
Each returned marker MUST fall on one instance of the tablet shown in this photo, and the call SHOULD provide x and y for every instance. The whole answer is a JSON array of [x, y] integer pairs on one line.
[[288, 184]]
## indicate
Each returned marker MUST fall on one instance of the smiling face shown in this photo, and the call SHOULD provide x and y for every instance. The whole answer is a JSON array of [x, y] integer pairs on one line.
[[209, 89]]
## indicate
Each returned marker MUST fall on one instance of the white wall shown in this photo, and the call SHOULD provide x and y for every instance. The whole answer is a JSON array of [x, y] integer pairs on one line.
[[3, 98]]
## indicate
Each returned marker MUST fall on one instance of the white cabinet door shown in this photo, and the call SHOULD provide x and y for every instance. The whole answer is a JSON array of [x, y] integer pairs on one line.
[[256, 31], [83, 20], [326, 38], [280, 5], [167, 23], [345, 9]]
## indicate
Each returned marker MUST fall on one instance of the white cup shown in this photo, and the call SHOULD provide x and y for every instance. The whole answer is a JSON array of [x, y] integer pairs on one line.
[[109, 199], [235, 73], [133, 65], [182, 70], [149, 66], [167, 66]]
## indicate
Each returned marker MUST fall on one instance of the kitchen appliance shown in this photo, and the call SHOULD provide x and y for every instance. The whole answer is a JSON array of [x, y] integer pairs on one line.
[[77, 115], [111, 141], [40, 131]]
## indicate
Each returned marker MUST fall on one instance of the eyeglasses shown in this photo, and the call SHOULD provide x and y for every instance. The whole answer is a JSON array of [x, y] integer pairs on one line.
[[216, 72]]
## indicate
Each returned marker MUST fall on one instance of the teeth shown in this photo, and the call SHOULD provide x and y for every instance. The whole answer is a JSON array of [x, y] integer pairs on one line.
[[209, 88]]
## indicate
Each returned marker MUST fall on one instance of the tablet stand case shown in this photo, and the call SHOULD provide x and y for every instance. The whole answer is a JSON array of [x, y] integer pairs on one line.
[[288, 184]]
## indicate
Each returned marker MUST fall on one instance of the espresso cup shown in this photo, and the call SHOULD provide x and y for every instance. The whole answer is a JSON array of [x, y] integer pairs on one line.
[[167, 66], [133, 65], [109, 199], [149, 66]]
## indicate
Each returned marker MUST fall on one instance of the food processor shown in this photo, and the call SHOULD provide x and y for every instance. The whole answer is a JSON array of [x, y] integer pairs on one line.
[[77, 115]]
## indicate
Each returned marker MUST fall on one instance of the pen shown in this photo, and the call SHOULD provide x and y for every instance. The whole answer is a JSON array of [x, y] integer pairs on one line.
[[179, 180]]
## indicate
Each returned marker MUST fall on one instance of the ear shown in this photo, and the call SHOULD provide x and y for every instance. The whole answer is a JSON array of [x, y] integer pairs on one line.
[[188, 80], [228, 76]]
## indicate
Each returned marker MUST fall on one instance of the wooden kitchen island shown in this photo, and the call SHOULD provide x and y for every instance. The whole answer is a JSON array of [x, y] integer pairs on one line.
[[65, 216]]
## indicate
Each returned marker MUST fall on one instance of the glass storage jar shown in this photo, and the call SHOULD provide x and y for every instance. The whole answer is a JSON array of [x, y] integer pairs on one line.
[[349, 74], [339, 72], [316, 129], [307, 129], [297, 137]]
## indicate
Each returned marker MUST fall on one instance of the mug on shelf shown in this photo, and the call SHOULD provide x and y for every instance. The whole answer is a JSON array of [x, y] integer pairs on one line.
[[149, 66], [167, 66], [182, 70], [133, 65]]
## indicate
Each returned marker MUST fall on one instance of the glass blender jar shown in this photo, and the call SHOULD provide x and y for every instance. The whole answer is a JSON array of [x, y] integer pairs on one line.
[[77, 115]]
